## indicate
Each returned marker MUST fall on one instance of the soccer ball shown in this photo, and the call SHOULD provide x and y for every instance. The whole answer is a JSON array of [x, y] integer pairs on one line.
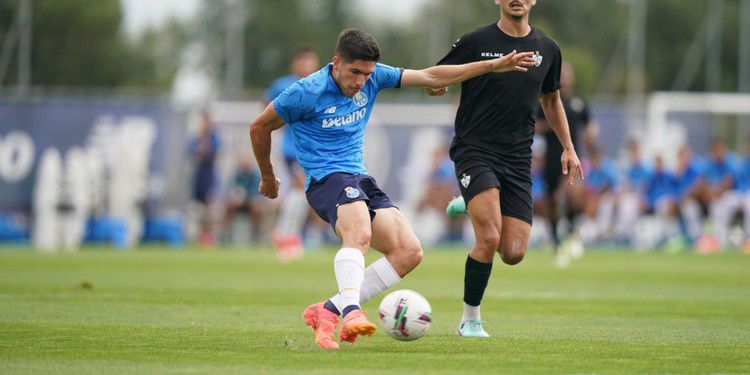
[[405, 315]]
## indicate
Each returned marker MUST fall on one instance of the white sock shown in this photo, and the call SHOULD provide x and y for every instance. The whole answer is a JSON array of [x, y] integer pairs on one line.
[[349, 266], [379, 276], [470, 313]]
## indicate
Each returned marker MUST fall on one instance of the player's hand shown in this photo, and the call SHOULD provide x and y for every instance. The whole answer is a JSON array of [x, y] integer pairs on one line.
[[436, 92], [514, 61], [571, 166], [269, 187]]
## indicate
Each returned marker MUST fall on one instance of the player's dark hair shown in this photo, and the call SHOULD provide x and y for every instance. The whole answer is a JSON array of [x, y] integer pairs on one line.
[[301, 51], [355, 44]]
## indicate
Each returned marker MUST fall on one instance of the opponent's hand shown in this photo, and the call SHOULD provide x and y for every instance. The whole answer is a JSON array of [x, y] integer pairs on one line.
[[436, 92], [514, 61], [269, 187], [571, 166]]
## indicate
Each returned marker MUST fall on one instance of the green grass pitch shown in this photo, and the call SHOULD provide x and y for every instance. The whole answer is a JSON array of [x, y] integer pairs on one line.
[[160, 311]]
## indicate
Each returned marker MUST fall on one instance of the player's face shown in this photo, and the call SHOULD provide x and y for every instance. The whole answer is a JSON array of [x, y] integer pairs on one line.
[[516, 8], [351, 76], [305, 64]]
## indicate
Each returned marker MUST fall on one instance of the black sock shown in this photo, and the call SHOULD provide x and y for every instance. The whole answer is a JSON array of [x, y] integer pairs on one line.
[[475, 280], [331, 307], [553, 230], [349, 309]]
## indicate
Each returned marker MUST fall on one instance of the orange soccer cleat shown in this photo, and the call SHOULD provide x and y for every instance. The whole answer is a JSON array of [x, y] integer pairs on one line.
[[354, 324], [323, 322]]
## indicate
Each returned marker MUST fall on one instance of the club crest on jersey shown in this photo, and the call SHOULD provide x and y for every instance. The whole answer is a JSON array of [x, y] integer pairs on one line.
[[465, 180], [351, 192], [360, 99], [537, 59]]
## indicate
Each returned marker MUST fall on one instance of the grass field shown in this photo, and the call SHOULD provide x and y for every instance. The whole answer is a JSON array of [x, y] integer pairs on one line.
[[238, 312]]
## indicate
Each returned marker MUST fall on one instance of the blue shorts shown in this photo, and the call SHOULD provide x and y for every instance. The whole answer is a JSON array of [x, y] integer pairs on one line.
[[325, 196]]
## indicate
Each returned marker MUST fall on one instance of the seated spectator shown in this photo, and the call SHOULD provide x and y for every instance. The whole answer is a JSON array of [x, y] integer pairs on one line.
[[660, 194], [244, 196], [720, 194], [600, 186], [631, 202], [688, 193]]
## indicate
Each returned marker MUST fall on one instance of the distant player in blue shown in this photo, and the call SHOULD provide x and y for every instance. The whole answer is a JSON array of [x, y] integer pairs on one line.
[[661, 194], [293, 213], [631, 200], [600, 186], [689, 191], [721, 174], [327, 113]]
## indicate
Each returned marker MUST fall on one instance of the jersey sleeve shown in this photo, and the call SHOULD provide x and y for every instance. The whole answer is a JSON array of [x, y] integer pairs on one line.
[[462, 52], [294, 103], [387, 77], [552, 80]]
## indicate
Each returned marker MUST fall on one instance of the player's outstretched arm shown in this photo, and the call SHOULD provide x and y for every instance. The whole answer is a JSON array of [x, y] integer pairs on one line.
[[446, 75], [555, 114], [260, 138]]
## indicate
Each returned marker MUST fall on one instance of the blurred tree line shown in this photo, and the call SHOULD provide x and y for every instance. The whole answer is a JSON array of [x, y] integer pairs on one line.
[[82, 42]]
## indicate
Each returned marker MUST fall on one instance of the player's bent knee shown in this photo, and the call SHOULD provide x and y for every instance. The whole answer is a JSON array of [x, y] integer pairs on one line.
[[512, 254], [488, 241], [358, 237]]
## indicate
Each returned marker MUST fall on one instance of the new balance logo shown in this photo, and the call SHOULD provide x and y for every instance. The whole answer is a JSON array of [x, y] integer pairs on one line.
[[345, 120], [330, 110]]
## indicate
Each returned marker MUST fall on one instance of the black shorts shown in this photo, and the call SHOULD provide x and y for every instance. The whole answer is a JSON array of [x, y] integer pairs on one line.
[[476, 175], [325, 196], [552, 174]]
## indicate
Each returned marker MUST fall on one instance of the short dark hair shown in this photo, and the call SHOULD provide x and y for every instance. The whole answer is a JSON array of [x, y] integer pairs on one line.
[[301, 51], [355, 44]]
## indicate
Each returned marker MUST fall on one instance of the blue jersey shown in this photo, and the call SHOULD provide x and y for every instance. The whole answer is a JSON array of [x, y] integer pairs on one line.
[[274, 90], [602, 178], [717, 172], [661, 184], [743, 180], [637, 176], [687, 180], [329, 127]]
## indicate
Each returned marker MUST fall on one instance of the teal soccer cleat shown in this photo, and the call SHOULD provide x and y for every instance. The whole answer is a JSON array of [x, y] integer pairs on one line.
[[472, 328], [456, 207]]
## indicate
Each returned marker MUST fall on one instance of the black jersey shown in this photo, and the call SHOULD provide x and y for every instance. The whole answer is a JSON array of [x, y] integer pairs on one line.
[[496, 114]]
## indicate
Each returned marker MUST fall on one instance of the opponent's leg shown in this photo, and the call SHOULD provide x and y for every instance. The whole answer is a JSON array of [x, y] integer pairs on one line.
[[486, 218]]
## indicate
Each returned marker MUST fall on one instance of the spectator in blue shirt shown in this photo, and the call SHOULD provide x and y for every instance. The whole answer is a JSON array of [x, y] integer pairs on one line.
[[724, 201], [600, 187], [631, 202], [244, 196]]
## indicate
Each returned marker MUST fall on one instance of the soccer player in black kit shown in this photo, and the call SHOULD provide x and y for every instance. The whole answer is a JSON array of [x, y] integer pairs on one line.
[[492, 145]]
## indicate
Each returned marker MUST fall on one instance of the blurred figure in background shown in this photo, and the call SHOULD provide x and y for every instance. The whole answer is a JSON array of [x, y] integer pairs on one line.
[[560, 199], [720, 195], [203, 150], [631, 202], [600, 187], [688, 194], [244, 196], [441, 187], [287, 236], [660, 199]]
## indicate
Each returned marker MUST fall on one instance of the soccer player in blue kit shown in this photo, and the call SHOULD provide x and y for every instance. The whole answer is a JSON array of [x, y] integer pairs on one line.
[[327, 112]]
